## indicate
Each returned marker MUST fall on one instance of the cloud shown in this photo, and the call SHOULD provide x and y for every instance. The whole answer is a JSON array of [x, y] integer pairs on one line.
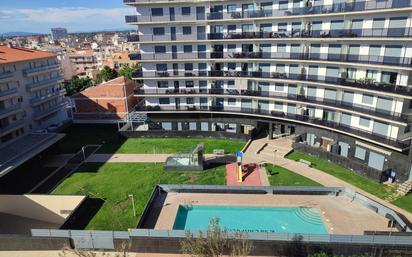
[[74, 18]]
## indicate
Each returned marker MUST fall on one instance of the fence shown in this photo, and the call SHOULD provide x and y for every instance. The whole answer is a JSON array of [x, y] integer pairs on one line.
[[152, 240]]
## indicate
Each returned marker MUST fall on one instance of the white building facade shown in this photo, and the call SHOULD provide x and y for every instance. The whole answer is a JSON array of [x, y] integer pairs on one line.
[[336, 74]]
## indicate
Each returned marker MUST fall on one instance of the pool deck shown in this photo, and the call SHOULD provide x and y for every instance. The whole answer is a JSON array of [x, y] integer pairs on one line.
[[339, 214]]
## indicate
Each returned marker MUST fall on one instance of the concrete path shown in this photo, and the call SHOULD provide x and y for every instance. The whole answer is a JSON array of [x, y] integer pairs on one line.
[[154, 158], [275, 152]]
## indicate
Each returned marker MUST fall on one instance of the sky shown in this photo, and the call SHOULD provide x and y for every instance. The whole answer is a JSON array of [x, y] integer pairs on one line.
[[76, 15]]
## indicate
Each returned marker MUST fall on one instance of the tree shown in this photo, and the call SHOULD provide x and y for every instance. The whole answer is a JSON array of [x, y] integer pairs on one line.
[[216, 242], [77, 84], [106, 74], [127, 70]]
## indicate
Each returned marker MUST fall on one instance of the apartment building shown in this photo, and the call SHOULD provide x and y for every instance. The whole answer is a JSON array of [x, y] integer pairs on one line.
[[336, 74], [31, 99], [84, 62]]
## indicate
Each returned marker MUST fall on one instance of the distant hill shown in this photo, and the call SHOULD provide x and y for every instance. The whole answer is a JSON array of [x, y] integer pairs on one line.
[[18, 34]]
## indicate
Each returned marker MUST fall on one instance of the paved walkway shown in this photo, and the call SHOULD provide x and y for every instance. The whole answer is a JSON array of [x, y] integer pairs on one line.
[[252, 175], [275, 152], [155, 158]]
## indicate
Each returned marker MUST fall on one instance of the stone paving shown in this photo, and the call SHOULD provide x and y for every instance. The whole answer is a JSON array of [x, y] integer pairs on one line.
[[251, 175]]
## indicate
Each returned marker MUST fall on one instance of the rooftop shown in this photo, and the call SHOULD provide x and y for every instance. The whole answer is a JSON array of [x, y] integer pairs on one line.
[[18, 54]]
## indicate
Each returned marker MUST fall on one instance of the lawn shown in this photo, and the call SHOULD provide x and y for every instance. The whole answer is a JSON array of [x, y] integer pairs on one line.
[[172, 145], [112, 142], [113, 182], [371, 186], [284, 177], [404, 202]]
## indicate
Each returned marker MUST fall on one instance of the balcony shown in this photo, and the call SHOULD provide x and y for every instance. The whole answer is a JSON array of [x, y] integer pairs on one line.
[[6, 111], [342, 105], [6, 76], [44, 83], [47, 97], [12, 126], [324, 9], [133, 38], [41, 114], [356, 132], [10, 91], [37, 70], [385, 87]]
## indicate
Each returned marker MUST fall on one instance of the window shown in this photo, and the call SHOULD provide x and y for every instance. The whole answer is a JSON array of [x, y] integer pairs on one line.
[[158, 31], [164, 100], [231, 28], [185, 10], [188, 66], [187, 48], [231, 8], [161, 67], [160, 49], [364, 122], [367, 99], [282, 27], [247, 28], [157, 11], [351, 73], [231, 101], [371, 74], [187, 30], [190, 100], [279, 87], [162, 84], [360, 153], [230, 84], [231, 48], [190, 83], [283, 5], [266, 27]]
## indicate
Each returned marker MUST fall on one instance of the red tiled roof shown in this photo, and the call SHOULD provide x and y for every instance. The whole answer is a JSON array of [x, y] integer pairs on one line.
[[18, 54]]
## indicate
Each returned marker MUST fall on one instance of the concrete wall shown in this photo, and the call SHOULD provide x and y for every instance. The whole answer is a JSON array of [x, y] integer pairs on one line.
[[54, 209]]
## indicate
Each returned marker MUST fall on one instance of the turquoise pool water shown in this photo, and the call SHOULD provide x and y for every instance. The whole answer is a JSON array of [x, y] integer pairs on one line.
[[251, 219]]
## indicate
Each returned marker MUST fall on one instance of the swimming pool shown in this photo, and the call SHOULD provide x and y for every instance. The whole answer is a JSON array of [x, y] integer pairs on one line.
[[251, 219]]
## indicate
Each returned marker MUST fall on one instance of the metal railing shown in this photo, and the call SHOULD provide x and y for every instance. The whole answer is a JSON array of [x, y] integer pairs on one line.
[[41, 69], [48, 96], [9, 109], [376, 86], [309, 10], [396, 116], [7, 92], [12, 126], [40, 114], [46, 82], [351, 58], [6, 75], [358, 132]]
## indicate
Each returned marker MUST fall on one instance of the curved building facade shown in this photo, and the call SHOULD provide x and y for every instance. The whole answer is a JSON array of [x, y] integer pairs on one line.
[[337, 74]]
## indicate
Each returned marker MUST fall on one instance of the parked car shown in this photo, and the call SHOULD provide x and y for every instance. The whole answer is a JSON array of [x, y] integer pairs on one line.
[[54, 127]]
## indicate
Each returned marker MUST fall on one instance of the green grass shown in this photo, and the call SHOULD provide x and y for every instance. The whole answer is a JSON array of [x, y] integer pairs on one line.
[[347, 175], [284, 177], [115, 181], [112, 142], [404, 202], [172, 145]]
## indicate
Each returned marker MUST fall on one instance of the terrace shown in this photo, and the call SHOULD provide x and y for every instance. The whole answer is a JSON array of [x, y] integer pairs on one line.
[[362, 84]]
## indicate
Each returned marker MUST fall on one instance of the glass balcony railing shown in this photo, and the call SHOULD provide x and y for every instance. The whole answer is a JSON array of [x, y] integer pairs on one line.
[[357, 132], [41, 69], [14, 125], [272, 94], [260, 13], [42, 83], [49, 96], [51, 109], [364, 84], [6, 75], [10, 109], [339, 33], [7, 92], [351, 58]]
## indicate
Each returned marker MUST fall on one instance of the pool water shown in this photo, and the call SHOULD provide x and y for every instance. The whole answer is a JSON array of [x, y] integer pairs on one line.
[[251, 219]]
